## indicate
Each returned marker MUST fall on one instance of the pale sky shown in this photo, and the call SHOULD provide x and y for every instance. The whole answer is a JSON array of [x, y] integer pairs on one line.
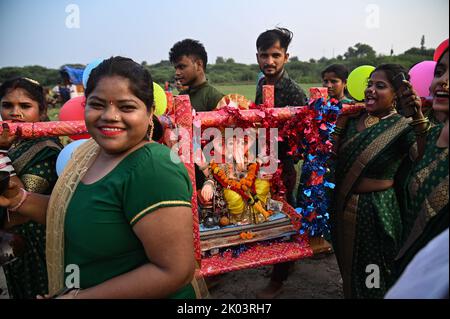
[[43, 33]]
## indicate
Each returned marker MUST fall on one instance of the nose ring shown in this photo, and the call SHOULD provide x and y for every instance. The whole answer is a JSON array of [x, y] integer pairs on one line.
[[116, 118], [19, 115]]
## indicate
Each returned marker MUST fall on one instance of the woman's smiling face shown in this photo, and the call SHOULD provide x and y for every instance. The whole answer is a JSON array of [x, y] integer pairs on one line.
[[379, 95], [439, 86], [115, 117]]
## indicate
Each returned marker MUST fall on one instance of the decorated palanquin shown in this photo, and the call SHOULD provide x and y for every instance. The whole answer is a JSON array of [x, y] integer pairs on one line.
[[241, 217]]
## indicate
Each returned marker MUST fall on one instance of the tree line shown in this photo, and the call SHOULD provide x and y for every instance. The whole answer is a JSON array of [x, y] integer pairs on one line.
[[227, 71]]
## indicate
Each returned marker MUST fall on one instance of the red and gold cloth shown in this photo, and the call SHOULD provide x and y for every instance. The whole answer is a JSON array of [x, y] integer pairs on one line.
[[316, 93], [268, 93]]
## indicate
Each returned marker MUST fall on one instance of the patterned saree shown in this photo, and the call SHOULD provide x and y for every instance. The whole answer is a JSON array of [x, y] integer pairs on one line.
[[425, 199], [34, 162], [366, 228]]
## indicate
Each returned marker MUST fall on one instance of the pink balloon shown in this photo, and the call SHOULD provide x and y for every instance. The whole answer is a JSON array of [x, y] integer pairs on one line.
[[73, 110], [422, 75]]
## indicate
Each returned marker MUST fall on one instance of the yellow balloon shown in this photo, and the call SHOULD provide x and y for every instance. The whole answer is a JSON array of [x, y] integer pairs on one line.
[[160, 99], [357, 81]]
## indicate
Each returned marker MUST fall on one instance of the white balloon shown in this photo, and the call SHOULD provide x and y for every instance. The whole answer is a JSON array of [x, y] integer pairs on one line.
[[66, 154]]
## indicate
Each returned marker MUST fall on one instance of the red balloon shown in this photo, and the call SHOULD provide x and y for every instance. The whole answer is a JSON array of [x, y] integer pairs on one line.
[[73, 110], [440, 49]]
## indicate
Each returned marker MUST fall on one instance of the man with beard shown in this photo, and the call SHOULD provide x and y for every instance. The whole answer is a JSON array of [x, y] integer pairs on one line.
[[189, 59], [272, 46]]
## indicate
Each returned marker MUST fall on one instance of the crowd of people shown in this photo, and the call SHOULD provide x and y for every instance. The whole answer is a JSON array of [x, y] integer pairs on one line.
[[121, 210]]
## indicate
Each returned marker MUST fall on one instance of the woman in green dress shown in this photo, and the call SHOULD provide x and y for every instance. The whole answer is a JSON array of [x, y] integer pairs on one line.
[[334, 77], [119, 221], [33, 168], [425, 200], [367, 225]]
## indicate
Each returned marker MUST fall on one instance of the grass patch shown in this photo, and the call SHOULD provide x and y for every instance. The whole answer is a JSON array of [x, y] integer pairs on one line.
[[249, 90], [53, 114]]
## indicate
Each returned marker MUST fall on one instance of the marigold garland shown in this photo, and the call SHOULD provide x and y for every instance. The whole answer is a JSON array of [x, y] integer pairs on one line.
[[244, 187]]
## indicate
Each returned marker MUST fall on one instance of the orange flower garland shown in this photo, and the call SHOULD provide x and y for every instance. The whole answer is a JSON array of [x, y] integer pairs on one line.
[[244, 187]]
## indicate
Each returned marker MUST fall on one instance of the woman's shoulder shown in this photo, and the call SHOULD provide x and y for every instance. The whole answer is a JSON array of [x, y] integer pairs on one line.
[[52, 142], [47, 147], [157, 159], [27, 145], [28, 151]]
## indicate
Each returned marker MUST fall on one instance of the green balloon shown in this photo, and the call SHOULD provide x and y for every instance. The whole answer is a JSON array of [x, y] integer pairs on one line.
[[160, 99], [357, 81]]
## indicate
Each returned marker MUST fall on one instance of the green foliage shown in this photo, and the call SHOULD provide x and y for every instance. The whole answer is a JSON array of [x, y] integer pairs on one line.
[[226, 70], [220, 60], [46, 77], [360, 50]]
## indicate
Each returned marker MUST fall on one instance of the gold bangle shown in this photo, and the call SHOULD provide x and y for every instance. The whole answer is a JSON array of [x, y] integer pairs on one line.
[[424, 131], [419, 121]]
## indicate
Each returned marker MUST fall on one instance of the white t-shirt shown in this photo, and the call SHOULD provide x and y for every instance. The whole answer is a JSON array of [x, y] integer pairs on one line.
[[426, 276]]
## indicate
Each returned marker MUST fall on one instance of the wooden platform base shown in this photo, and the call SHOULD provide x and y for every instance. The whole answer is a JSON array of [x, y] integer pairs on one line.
[[235, 240], [319, 245]]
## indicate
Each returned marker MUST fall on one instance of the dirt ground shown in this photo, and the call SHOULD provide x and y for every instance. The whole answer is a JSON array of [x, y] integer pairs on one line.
[[310, 279]]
